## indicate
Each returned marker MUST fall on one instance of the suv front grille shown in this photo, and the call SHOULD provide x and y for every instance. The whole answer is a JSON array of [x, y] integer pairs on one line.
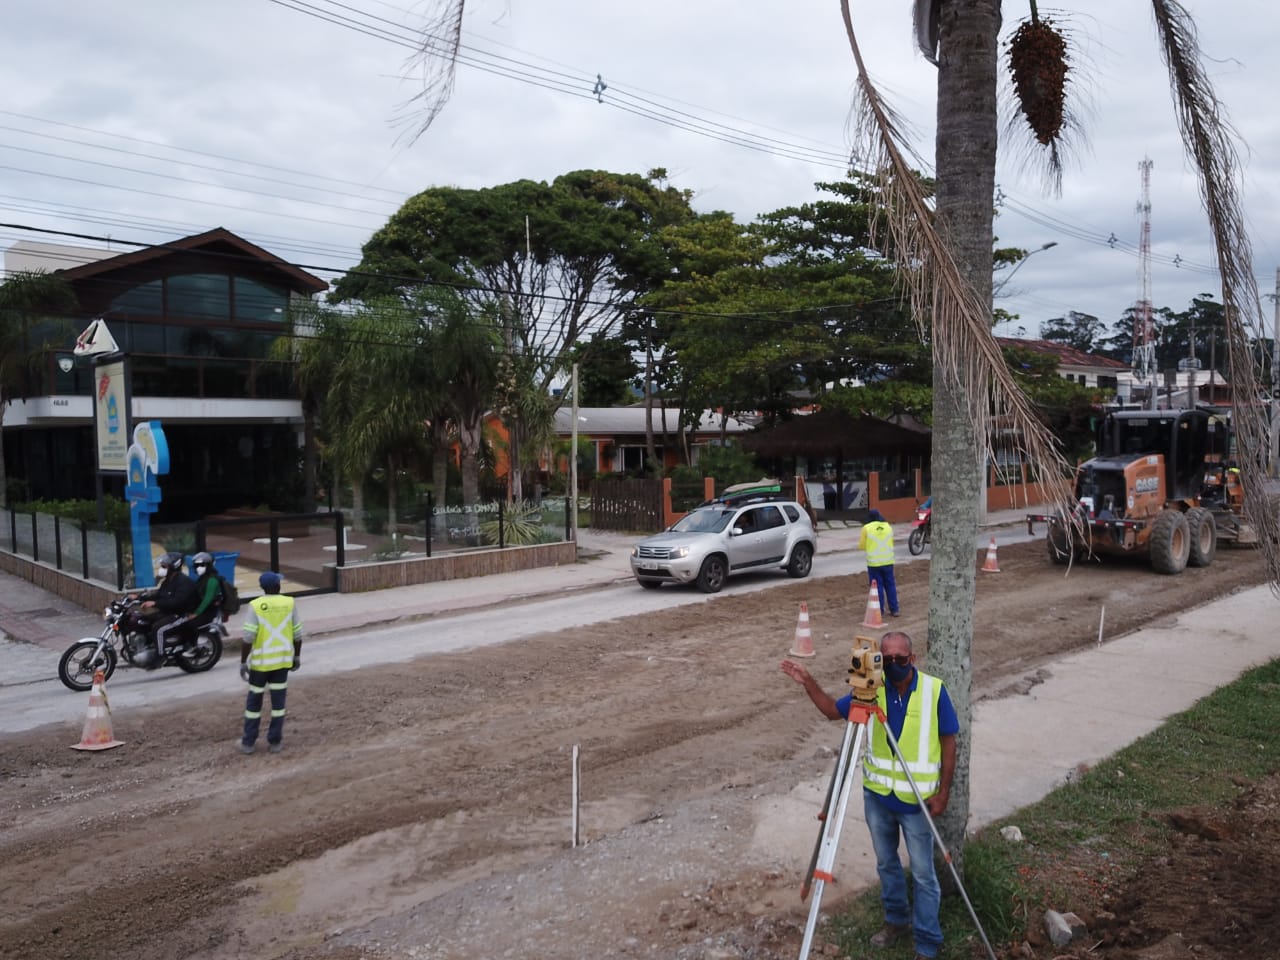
[[653, 553]]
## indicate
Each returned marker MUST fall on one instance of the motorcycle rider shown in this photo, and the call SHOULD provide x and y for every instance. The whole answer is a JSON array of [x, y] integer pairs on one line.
[[209, 594], [173, 596]]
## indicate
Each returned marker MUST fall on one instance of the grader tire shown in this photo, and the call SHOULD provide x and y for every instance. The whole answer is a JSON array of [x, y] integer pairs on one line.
[[1058, 543], [1203, 532], [1170, 542]]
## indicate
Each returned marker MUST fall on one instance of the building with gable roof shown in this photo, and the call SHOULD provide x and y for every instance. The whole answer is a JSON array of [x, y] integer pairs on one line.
[[196, 317]]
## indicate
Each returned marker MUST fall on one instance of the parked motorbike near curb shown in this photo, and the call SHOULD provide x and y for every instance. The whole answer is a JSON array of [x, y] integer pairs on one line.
[[125, 636], [920, 528]]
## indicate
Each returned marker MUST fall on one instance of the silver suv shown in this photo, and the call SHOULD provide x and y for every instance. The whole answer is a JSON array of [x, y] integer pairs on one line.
[[719, 539]]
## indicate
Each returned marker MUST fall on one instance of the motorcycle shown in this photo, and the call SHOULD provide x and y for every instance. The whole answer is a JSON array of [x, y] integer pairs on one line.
[[126, 636], [920, 528]]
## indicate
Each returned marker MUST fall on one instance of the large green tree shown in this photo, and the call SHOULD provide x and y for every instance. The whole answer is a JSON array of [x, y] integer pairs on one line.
[[556, 262], [31, 302]]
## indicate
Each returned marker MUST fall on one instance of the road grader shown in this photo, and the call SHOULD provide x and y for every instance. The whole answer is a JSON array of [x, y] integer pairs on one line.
[[1162, 484]]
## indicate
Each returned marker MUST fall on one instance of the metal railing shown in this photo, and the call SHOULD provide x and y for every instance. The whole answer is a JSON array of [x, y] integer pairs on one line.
[[84, 550]]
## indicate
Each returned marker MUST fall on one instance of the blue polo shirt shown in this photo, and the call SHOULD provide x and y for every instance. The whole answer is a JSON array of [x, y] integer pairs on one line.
[[896, 713]]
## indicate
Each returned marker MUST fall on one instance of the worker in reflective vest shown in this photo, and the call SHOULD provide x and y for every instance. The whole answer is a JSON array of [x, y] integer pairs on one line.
[[877, 539], [272, 647], [918, 710]]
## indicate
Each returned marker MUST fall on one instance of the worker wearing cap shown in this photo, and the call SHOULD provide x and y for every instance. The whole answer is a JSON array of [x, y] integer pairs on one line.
[[272, 647], [877, 539]]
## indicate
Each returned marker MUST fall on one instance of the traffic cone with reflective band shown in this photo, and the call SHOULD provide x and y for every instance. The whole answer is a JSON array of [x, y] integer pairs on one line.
[[804, 637], [873, 618], [990, 565], [97, 722]]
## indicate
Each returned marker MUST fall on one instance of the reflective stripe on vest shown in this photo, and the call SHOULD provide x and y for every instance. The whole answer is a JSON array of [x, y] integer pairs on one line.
[[920, 744], [879, 537], [273, 643]]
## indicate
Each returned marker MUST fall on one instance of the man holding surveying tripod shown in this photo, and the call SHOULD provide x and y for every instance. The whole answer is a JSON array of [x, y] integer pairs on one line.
[[924, 725]]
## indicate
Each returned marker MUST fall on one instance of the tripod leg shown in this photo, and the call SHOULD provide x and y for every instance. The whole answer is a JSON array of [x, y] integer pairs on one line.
[[807, 883], [850, 750]]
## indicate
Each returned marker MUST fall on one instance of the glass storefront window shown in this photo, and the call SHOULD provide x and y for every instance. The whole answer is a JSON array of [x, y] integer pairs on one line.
[[199, 296], [144, 338], [258, 302], [144, 300]]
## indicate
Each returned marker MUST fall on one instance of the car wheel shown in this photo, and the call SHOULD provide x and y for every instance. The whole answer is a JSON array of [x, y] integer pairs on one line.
[[649, 584], [712, 575], [801, 561]]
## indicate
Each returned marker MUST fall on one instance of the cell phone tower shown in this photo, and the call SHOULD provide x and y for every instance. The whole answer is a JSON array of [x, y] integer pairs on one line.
[[1144, 347]]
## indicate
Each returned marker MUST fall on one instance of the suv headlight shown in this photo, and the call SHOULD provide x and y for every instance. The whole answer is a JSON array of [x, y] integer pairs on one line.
[[635, 551], [678, 553]]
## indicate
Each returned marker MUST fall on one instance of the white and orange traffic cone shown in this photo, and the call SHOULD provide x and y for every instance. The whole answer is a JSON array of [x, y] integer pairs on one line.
[[97, 721], [803, 646], [873, 618], [990, 565]]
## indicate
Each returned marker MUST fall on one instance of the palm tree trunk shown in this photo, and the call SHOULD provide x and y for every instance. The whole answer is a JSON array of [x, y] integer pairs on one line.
[[4, 477], [357, 504], [965, 161], [393, 495], [469, 447]]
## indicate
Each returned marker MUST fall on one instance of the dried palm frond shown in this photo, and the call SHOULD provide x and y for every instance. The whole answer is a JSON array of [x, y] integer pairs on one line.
[[967, 359], [1210, 141], [437, 59]]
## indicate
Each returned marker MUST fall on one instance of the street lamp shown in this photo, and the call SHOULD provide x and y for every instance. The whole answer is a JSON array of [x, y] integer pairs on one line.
[[1000, 285]]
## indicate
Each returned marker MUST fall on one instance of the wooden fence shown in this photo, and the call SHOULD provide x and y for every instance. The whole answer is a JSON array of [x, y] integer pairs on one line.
[[627, 505]]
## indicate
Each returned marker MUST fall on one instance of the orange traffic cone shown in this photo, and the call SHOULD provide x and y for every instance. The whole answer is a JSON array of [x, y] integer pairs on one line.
[[97, 722], [803, 646], [990, 565], [873, 618]]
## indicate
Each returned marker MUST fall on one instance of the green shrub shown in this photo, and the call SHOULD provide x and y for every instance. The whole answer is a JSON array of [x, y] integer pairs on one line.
[[115, 512]]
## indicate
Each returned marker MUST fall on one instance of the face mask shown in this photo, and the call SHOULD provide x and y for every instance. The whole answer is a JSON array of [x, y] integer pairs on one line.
[[161, 570], [896, 673], [201, 568]]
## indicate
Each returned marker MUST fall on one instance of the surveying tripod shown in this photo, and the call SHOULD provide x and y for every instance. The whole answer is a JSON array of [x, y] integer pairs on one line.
[[866, 677]]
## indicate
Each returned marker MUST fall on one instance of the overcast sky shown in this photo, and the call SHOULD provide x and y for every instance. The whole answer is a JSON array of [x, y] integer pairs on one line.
[[153, 119]]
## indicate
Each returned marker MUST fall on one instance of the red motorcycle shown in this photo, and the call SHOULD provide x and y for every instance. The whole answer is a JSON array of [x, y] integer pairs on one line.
[[920, 528]]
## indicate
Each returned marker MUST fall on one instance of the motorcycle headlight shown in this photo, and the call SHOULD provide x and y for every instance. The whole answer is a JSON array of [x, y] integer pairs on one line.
[[106, 613]]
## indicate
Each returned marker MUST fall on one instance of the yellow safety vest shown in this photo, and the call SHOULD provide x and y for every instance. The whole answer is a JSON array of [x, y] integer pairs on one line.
[[919, 741], [273, 643], [877, 540]]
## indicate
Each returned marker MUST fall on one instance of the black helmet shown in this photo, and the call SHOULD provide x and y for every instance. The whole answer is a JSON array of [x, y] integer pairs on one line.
[[202, 560]]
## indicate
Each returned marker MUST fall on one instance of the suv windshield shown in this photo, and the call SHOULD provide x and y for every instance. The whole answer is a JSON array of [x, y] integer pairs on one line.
[[705, 520]]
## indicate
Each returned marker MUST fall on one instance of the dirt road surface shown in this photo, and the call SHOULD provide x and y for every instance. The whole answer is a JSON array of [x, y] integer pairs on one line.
[[422, 810]]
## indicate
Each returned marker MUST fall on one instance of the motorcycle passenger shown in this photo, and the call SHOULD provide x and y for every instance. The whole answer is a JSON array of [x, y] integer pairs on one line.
[[172, 597], [208, 609]]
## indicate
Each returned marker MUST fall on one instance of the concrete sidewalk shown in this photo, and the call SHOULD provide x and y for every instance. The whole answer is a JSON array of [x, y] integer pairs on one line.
[[31, 615]]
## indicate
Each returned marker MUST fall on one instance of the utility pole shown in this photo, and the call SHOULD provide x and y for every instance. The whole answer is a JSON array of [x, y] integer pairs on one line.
[[573, 463]]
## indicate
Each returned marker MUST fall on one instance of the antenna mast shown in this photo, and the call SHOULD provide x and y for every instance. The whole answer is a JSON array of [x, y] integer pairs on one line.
[[1144, 348]]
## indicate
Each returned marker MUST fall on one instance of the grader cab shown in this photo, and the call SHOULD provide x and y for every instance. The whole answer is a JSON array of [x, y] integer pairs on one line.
[[1161, 484]]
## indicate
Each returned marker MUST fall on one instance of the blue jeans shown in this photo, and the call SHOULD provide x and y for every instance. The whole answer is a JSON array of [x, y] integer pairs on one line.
[[887, 589], [884, 824]]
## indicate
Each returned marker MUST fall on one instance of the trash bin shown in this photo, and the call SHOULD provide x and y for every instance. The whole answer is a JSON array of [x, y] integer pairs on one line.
[[224, 563]]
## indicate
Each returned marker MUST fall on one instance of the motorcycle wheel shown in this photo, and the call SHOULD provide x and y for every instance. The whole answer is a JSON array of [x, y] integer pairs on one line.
[[77, 666], [202, 656], [915, 542]]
